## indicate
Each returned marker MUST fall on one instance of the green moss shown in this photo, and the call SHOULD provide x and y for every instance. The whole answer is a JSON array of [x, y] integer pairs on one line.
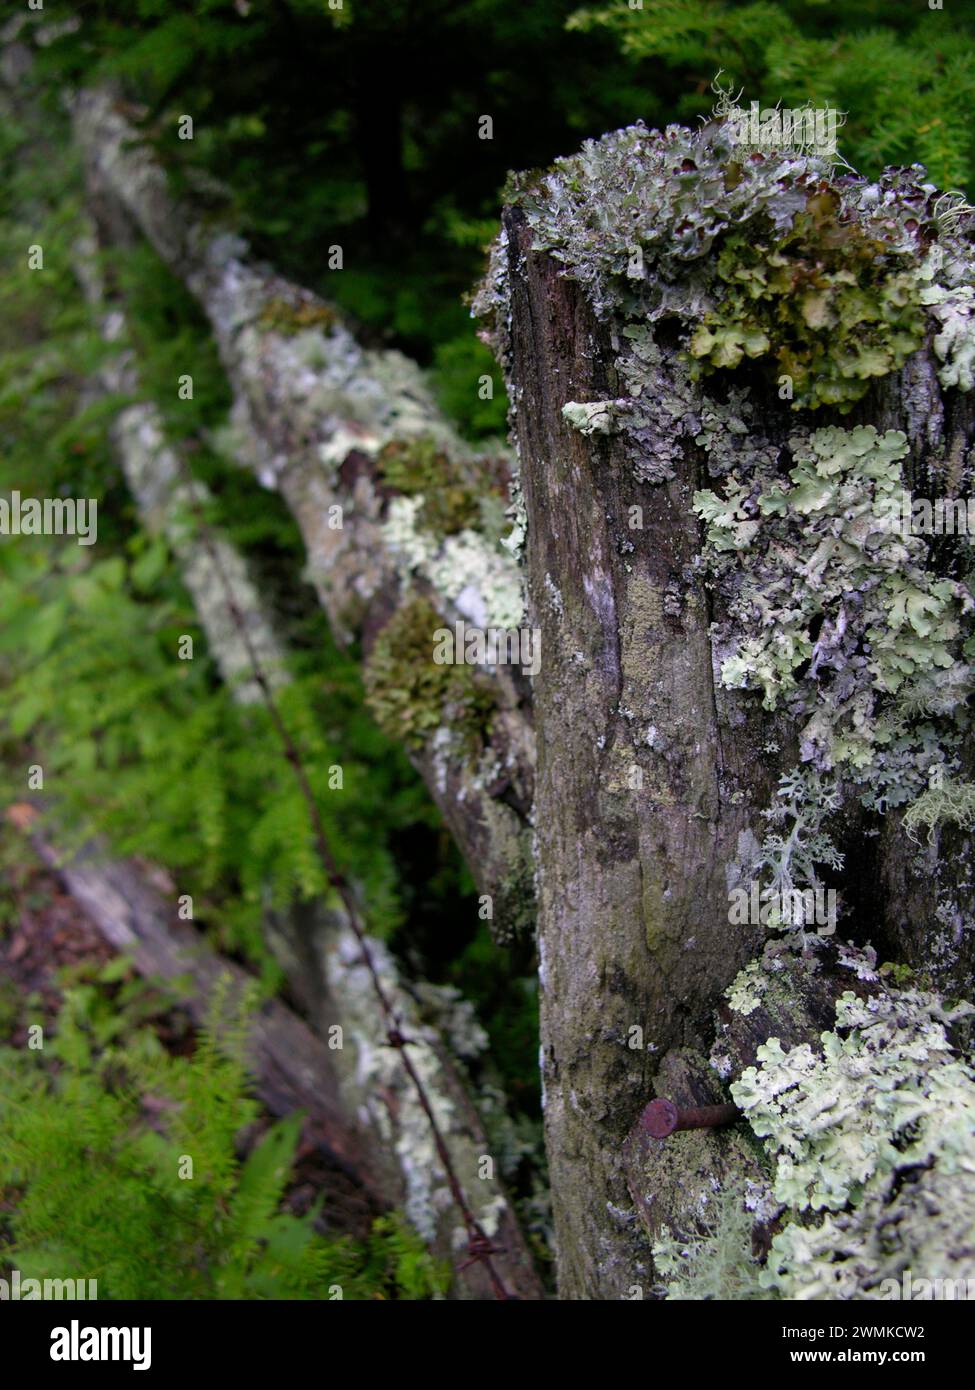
[[410, 695], [283, 316], [420, 468], [828, 303]]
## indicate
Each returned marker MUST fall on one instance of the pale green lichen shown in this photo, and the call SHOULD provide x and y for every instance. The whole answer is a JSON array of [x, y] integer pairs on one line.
[[590, 417], [744, 995], [716, 1263], [475, 574], [877, 1130], [835, 613], [947, 290], [945, 800]]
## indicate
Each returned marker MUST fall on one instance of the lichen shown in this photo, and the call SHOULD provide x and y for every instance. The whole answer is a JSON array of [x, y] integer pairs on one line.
[[471, 571], [871, 1142], [947, 290], [950, 800], [828, 303], [744, 995], [715, 1263], [678, 238], [836, 614], [378, 1089], [797, 844]]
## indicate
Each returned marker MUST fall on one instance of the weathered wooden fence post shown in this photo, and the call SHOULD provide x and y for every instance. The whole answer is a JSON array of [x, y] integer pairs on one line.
[[698, 340]]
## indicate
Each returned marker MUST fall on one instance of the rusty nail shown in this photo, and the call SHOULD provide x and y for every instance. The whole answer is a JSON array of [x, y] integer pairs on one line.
[[661, 1117]]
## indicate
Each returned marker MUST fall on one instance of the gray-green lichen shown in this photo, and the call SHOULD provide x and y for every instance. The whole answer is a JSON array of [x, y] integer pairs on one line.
[[836, 613], [378, 1087], [679, 237], [475, 574], [945, 800], [237, 624], [871, 1138], [716, 1262]]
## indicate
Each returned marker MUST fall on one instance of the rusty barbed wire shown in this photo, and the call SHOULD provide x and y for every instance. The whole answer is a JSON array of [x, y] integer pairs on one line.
[[479, 1245]]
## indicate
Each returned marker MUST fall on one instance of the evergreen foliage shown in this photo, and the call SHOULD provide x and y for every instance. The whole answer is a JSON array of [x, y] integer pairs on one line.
[[903, 74]]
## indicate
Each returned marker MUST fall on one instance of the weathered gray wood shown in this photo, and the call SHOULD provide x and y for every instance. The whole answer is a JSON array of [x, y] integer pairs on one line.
[[312, 410], [633, 874]]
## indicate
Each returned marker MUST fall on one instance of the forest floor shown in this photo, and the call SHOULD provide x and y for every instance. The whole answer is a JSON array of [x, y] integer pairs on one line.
[[47, 941]]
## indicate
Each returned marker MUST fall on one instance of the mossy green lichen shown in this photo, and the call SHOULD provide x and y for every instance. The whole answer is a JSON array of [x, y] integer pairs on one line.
[[411, 696], [828, 303]]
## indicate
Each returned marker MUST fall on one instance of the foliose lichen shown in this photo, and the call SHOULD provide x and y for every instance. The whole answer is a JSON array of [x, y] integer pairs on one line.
[[700, 254], [872, 1144], [827, 302], [830, 597], [836, 613]]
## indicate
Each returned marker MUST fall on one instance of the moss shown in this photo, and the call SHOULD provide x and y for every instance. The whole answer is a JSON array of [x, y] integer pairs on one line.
[[285, 316], [420, 468], [410, 695]]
